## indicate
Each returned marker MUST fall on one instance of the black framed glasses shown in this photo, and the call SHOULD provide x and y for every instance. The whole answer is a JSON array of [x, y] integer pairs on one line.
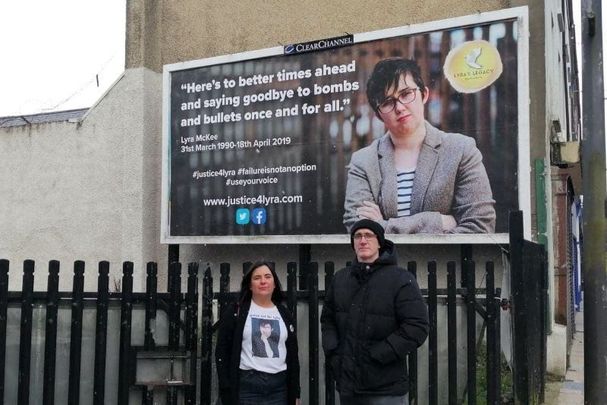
[[404, 97], [367, 236]]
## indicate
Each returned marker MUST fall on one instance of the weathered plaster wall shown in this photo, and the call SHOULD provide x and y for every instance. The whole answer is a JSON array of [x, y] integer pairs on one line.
[[85, 190], [166, 32]]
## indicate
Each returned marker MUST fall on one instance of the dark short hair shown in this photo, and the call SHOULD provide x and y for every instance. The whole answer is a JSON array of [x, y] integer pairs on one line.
[[245, 285], [386, 74]]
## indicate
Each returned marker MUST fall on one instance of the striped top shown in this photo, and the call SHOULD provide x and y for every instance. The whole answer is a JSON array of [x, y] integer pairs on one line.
[[404, 187]]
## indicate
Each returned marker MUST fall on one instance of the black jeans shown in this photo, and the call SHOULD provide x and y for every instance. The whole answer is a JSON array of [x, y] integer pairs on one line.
[[374, 400], [258, 388]]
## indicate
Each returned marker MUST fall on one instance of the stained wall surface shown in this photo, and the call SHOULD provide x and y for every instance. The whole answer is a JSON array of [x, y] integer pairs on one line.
[[165, 32]]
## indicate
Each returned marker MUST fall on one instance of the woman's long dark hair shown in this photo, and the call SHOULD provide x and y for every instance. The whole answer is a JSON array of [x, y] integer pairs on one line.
[[245, 287]]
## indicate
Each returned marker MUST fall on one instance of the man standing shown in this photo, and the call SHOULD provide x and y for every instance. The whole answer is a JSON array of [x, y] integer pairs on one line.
[[373, 316]]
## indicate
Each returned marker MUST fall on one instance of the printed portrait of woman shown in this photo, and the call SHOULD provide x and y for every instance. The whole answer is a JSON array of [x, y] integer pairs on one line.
[[416, 178], [265, 337]]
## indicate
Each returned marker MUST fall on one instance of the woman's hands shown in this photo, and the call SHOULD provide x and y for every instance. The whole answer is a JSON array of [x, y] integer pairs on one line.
[[369, 210], [448, 222]]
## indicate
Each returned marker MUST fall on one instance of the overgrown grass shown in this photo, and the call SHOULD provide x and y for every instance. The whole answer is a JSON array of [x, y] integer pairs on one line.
[[506, 389]]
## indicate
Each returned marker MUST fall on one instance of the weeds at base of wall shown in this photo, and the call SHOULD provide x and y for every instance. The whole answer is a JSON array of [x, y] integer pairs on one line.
[[506, 389]]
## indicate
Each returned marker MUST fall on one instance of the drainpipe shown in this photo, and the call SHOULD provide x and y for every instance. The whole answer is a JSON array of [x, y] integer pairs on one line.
[[542, 232]]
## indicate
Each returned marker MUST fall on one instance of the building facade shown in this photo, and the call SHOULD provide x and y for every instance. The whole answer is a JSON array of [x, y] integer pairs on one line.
[[89, 188]]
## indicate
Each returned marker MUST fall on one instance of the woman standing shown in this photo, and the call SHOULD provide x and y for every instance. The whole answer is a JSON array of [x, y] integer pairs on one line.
[[256, 353]]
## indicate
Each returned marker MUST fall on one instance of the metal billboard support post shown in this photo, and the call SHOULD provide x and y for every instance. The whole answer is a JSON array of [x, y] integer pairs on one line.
[[593, 173], [173, 253], [305, 257]]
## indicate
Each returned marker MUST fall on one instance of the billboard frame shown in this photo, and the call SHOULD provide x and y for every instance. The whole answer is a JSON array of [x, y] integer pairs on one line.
[[523, 141]]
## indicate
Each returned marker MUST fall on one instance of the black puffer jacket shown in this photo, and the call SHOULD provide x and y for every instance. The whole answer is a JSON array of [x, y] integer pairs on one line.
[[373, 316]]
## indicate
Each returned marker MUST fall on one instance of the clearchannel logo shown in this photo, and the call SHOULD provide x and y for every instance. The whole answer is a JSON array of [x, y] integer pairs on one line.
[[321, 44], [258, 216]]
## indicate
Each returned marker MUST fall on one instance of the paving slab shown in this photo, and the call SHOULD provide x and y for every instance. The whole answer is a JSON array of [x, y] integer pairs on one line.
[[571, 390]]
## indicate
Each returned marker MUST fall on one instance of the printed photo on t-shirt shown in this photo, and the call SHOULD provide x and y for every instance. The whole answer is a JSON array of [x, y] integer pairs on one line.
[[265, 335]]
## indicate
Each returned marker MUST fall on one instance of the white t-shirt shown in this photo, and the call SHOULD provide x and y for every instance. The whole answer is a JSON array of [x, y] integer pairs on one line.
[[263, 341]]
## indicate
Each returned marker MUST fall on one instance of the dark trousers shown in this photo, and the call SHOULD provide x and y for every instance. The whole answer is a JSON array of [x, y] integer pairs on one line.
[[258, 388], [374, 400]]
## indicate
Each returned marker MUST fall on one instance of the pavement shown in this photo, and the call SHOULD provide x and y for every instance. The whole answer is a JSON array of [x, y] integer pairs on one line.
[[571, 390]]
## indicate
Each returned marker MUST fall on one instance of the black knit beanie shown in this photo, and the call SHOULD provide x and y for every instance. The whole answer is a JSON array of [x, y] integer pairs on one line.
[[373, 226]]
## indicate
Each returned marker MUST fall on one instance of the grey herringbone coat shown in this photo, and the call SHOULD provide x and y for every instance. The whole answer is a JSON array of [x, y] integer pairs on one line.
[[450, 179]]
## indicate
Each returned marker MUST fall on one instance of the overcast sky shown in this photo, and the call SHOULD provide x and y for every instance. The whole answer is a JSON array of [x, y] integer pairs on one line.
[[53, 51], [62, 54]]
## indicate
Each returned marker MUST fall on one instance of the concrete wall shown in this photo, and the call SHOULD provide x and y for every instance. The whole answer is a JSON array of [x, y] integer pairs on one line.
[[85, 190], [163, 32]]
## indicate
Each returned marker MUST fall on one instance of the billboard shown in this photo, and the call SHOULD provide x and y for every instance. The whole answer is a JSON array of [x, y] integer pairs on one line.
[[282, 145]]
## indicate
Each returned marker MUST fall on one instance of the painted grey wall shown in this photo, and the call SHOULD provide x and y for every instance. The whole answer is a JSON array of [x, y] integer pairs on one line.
[[86, 190]]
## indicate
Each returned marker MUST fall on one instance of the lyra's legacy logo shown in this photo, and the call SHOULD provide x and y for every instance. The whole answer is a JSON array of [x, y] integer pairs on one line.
[[472, 57], [312, 46], [472, 66]]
